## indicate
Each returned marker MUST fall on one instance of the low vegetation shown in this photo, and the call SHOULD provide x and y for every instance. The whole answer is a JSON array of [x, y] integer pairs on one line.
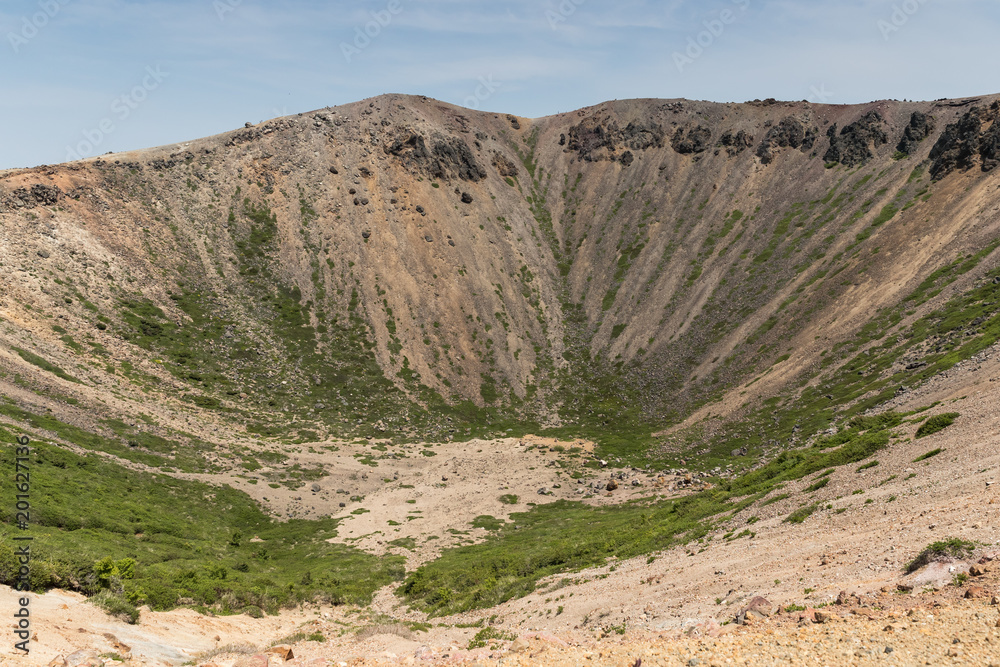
[[952, 547], [133, 538]]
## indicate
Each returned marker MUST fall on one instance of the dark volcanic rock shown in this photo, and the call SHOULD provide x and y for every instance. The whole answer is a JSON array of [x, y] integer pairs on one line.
[[920, 127], [961, 141], [736, 143], [690, 141], [597, 139], [790, 132], [449, 157], [856, 142], [38, 195]]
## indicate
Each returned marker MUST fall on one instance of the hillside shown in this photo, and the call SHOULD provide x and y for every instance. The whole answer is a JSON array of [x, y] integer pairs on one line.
[[283, 323]]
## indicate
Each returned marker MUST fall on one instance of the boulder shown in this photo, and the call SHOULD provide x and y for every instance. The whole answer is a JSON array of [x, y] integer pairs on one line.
[[758, 607], [976, 592], [283, 651]]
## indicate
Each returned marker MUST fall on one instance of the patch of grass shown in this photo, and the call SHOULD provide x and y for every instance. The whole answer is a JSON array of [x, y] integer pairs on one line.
[[952, 547], [924, 457], [817, 485], [116, 605], [936, 423], [486, 635], [803, 513], [870, 464], [405, 543], [509, 499], [487, 522], [36, 360]]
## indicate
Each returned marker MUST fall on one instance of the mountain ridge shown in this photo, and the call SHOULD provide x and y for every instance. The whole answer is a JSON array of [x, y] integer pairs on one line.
[[721, 216]]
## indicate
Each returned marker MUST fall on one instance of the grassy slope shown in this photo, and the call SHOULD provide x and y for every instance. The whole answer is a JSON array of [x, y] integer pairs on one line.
[[188, 539]]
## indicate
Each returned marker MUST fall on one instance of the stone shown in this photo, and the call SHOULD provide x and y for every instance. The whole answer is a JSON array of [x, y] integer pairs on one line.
[[80, 658], [58, 662], [519, 645], [823, 616], [283, 651], [758, 607], [44, 254], [975, 592], [466, 198], [611, 485], [978, 570]]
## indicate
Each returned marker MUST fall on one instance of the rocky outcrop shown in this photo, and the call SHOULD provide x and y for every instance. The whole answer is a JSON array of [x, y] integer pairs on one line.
[[920, 127], [977, 133], [692, 140], [447, 158], [596, 138], [856, 142], [504, 165], [790, 132], [735, 142], [37, 195]]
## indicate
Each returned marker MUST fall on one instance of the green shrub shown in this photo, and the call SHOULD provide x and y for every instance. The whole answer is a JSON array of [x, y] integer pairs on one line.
[[952, 547], [116, 606], [801, 514], [923, 457], [819, 484], [509, 499], [486, 635], [937, 423]]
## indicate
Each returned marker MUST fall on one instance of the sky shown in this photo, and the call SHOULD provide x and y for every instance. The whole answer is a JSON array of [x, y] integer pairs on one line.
[[85, 77]]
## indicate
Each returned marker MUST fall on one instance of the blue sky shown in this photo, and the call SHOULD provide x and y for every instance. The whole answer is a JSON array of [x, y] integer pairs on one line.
[[84, 77]]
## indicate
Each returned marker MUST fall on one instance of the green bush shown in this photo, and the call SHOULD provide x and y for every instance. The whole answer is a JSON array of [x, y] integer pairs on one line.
[[801, 514], [924, 457], [952, 547], [116, 606], [486, 635], [937, 423]]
